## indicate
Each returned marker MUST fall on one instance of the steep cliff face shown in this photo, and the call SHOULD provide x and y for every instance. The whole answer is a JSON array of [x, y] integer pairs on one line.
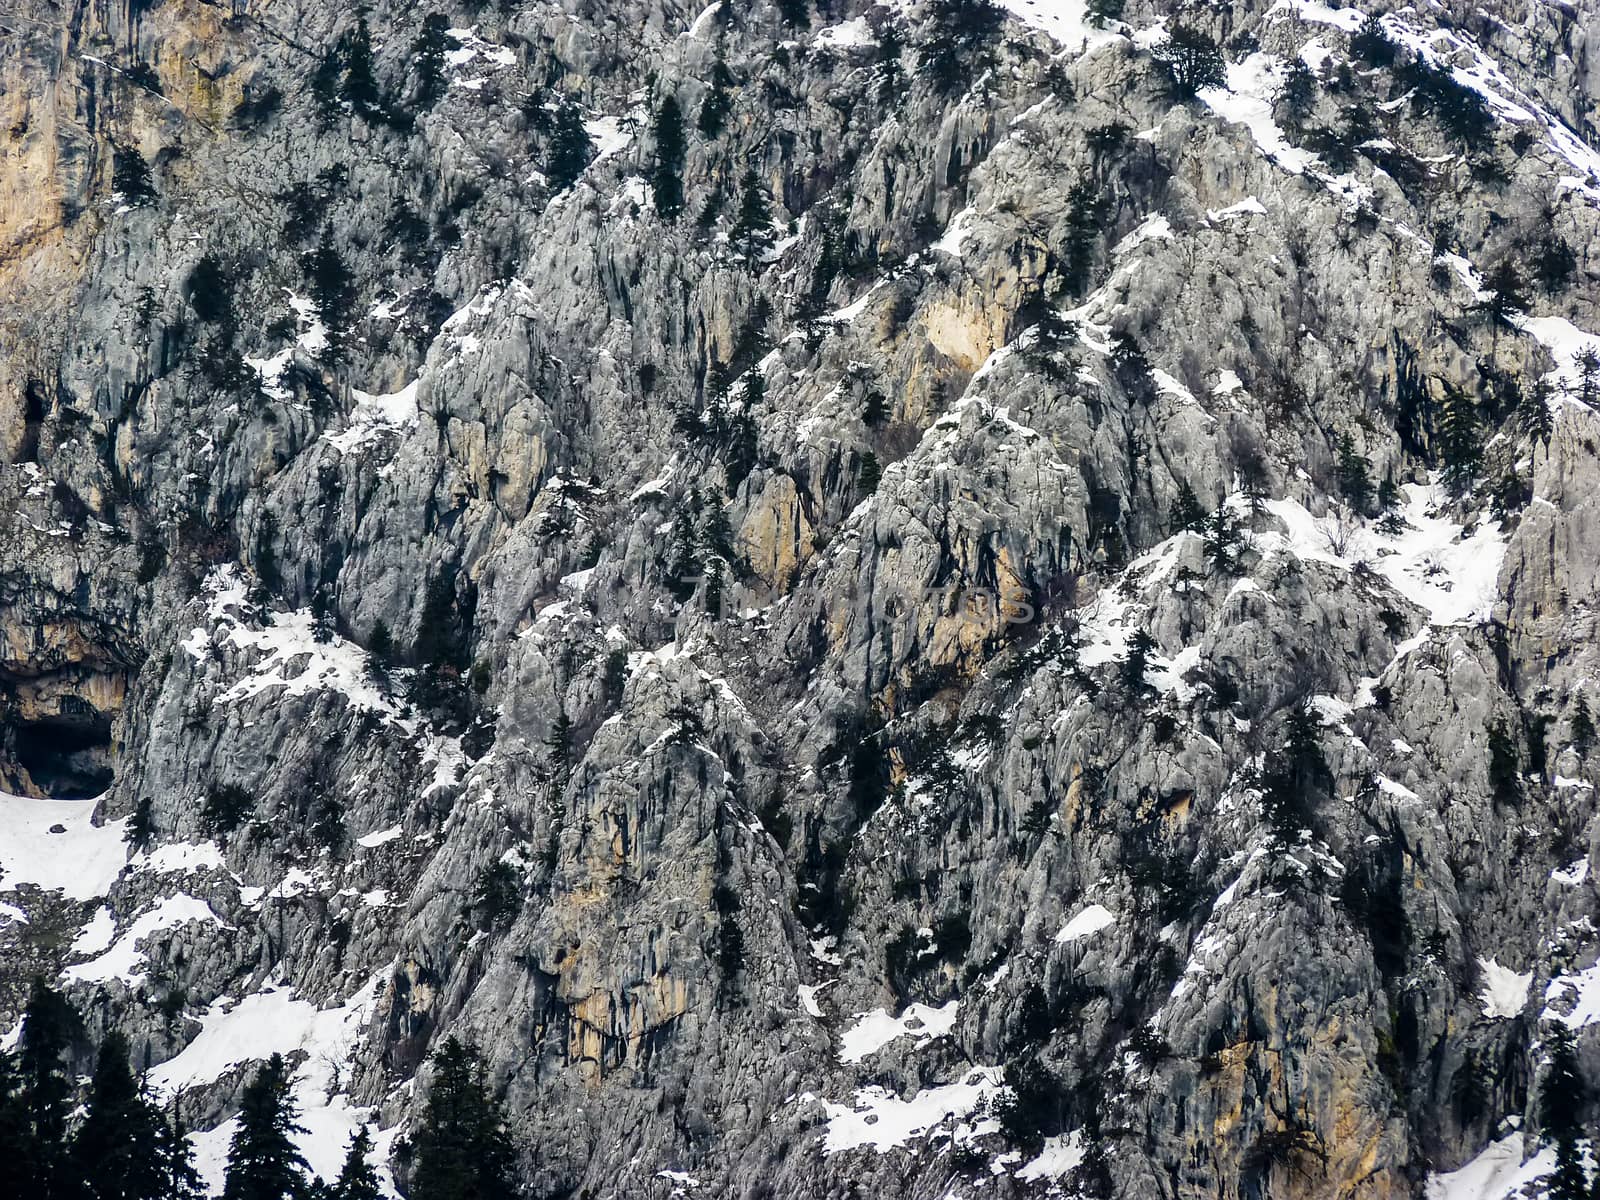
[[1018, 617]]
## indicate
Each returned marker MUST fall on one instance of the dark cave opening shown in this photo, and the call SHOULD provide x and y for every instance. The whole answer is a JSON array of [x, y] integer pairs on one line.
[[66, 757]]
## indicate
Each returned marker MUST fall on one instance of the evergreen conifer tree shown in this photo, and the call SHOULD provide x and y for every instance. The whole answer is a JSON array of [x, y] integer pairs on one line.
[[1561, 1101], [432, 43], [358, 1178], [869, 474], [558, 744], [1355, 479], [50, 1027], [16, 1132], [571, 149], [263, 1163], [463, 1151], [716, 106], [1582, 725], [891, 76], [116, 1151], [958, 45], [141, 830], [1192, 61], [359, 87], [751, 235], [1187, 512], [666, 180], [177, 1158], [1533, 414], [1458, 440], [1588, 364]]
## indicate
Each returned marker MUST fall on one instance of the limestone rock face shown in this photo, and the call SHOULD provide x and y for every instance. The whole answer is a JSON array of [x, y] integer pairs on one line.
[[1030, 634]]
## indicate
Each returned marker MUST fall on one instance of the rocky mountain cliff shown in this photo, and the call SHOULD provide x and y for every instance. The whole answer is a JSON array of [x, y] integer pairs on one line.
[[900, 600]]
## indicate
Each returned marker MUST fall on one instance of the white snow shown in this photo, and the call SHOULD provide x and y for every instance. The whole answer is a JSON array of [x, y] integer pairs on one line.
[[807, 993], [123, 959], [82, 860], [1152, 228], [1067, 21], [1573, 999], [1504, 990], [883, 1121], [1091, 920], [1496, 1174], [372, 841], [373, 413], [1247, 101], [1060, 1155], [1247, 207], [850, 33], [180, 858], [955, 233], [609, 135], [99, 933], [876, 1029], [1431, 564], [274, 1022]]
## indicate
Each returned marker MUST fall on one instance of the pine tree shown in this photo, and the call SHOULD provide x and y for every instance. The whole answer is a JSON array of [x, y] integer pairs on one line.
[[1187, 512], [432, 44], [868, 474], [715, 581], [1561, 1101], [1355, 479], [716, 536], [1458, 440], [891, 76], [1086, 214], [958, 45], [358, 1179], [681, 569], [1222, 541], [130, 176], [325, 85], [332, 288], [875, 409], [571, 149], [50, 1027], [1533, 414], [141, 830], [1137, 660], [795, 13], [116, 1151], [742, 451], [1507, 296], [359, 87], [666, 180], [751, 235], [1299, 93], [1192, 61], [263, 1163], [177, 1158], [16, 1133], [1588, 364], [380, 644], [615, 681], [1581, 725], [1103, 11], [558, 745], [716, 105], [463, 1151]]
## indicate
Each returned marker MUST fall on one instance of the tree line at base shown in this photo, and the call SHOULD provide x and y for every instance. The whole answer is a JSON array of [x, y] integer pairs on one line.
[[116, 1140]]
